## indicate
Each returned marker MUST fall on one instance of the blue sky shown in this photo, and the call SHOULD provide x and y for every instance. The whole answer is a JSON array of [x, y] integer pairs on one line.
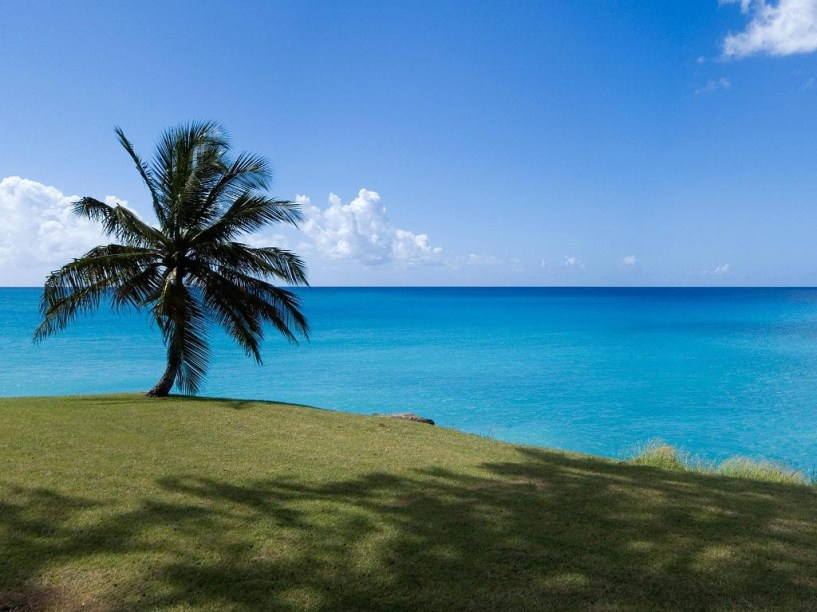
[[491, 143]]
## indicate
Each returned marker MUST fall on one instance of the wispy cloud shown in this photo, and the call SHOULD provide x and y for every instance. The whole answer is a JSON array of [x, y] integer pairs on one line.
[[722, 269], [785, 28], [572, 263], [474, 259], [629, 261], [714, 85]]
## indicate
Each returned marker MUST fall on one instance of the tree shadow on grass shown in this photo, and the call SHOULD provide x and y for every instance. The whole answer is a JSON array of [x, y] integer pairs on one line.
[[236, 404], [549, 531]]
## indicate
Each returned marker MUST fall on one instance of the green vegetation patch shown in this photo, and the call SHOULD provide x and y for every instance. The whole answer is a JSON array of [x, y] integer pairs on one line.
[[743, 467], [661, 455], [124, 502]]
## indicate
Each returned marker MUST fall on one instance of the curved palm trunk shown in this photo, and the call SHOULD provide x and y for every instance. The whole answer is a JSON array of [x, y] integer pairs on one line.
[[162, 388], [165, 384]]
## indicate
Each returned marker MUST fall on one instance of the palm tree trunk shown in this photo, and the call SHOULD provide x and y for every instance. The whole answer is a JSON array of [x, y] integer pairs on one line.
[[173, 279], [165, 384]]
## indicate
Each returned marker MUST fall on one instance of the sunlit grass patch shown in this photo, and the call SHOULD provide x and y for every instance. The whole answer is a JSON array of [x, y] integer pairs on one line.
[[767, 471], [659, 454]]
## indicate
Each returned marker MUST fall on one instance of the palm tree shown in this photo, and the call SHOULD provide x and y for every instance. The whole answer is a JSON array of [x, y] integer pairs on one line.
[[191, 269]]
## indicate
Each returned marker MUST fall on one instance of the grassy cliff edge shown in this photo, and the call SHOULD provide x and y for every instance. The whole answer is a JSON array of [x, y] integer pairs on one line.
[[122, 502]]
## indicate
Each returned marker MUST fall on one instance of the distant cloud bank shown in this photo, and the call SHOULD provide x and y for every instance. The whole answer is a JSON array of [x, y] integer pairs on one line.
[[785, 28], [39, 233]]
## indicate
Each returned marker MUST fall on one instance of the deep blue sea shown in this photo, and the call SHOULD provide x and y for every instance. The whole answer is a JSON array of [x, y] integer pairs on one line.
[[717, 372]]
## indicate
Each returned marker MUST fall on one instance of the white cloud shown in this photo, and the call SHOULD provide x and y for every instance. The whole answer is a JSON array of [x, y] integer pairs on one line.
[[784, 28], [714, 85], [723, 269], [38, 230], [266, 239], [573, 263], [360, 230], [629, 261]]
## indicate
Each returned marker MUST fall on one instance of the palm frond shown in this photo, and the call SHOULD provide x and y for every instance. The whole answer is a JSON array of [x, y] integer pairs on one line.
[[78, 287], [144, 171], [226, 305], [249, 213], [120, 222], [178, 151], [281, 263], [255, 261], [269, 303], [203, 176], [247, 173]]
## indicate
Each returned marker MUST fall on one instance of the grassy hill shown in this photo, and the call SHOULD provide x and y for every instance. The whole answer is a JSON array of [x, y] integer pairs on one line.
[[123, 502]]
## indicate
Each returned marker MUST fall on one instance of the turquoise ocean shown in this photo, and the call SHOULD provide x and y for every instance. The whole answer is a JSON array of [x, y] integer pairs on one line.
[[717, 372]]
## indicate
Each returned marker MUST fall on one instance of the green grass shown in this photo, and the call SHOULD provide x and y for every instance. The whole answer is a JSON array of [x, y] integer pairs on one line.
[[122, 502], [661, 455], [743, 467]]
